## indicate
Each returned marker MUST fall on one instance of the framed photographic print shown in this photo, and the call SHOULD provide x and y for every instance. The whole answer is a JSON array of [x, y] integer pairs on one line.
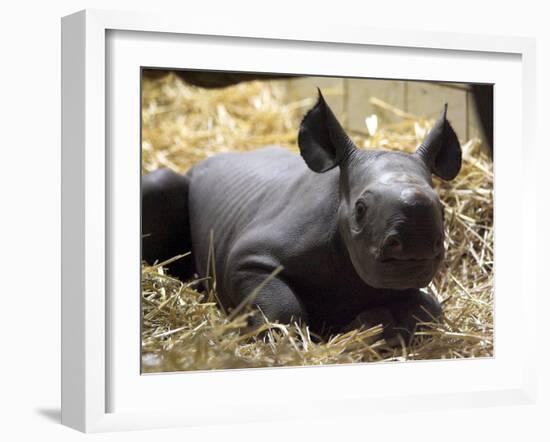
[[253, 212]]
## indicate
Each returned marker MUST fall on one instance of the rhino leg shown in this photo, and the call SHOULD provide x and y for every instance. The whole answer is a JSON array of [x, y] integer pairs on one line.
[[270, 295], [401, 316], [165, 221]]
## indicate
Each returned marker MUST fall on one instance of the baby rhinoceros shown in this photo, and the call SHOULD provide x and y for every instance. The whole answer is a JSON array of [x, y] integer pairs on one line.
[[356, 232]]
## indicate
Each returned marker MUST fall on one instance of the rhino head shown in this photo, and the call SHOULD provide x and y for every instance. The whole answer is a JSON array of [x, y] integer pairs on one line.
[[390, 218]]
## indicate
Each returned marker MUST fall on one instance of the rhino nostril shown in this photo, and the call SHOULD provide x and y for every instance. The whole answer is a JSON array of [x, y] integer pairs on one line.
[[392, 244]]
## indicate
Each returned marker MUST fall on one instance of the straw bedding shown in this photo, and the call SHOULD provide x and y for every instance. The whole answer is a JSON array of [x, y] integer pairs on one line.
[[185, 329]]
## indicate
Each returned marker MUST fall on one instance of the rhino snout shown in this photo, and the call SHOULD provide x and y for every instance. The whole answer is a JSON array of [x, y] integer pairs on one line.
[[400, 247]]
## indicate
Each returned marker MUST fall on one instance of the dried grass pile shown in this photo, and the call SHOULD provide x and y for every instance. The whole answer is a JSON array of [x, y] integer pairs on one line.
[[184, 329]]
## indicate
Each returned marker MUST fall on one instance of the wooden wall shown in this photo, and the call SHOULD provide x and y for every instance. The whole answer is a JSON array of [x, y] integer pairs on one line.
[[350, 99]]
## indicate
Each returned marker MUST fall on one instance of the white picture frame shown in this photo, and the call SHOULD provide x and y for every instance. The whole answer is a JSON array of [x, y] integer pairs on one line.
[[91, 321]]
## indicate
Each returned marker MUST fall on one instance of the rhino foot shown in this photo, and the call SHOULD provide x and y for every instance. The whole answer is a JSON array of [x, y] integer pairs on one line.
[[401, 316]]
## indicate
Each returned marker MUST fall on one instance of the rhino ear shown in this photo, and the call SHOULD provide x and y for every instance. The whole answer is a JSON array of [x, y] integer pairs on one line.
[[323, 142], [441, 150]]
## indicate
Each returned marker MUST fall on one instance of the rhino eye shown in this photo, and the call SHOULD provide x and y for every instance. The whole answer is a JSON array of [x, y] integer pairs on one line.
[[360, 210]]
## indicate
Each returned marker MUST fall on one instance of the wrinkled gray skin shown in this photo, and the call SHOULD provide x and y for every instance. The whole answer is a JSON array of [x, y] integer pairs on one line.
[[357, 232]]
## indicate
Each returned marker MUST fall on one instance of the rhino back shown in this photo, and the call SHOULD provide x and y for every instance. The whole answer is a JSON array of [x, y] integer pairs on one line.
[[268, 195], [230, 191]]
